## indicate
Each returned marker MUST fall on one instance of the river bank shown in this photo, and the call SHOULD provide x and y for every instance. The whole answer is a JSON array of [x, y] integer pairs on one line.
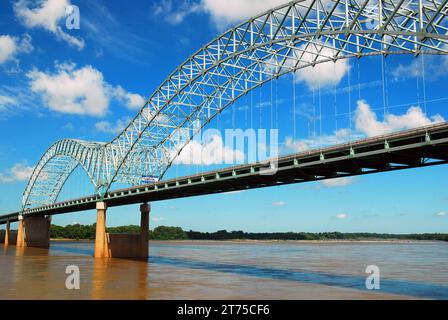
[[248, 241]]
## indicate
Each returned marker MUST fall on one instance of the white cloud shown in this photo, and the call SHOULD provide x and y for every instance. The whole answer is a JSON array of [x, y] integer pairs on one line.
[[108, 127], [175, 13], [278, 203], [71, 90], [132, 100], [367, 123], [223, 13], [302, 145], [81, 91], [322, 74], [337, 182], [19, 172], [7, 101], [68, 126], [8, 48], [442, 214], [431, 67], [158, 219], [211, 151], [227, 12], [341, 216], [11, 46], [47, 14]]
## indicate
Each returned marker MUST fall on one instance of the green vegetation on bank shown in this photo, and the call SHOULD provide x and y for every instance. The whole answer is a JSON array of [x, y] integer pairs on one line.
[[175, 233]]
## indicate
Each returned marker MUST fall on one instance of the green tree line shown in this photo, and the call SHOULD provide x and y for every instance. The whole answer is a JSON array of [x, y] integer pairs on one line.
[[77, 231]]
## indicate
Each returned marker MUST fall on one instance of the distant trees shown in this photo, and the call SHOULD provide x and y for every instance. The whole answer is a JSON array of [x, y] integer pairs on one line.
[[74, 231], [77, 231], [168, 233]]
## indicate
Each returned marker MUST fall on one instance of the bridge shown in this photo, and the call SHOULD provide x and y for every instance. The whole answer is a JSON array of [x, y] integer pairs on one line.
[[294, 36]]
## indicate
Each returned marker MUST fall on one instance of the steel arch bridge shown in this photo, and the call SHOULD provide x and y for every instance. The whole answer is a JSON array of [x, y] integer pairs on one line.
[[296, 35]]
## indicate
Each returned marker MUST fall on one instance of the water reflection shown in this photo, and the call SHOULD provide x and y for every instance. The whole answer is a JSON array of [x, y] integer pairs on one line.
[[227, 270], [416, 289], [109, 275]]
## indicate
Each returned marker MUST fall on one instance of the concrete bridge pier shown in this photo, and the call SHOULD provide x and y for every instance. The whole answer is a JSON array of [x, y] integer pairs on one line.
[[145, 209], [121, 245], [20, 242], [33, 232], [101, 242], [7, 231]]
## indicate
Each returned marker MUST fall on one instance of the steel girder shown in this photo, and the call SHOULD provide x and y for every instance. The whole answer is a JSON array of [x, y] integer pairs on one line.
[[296, 35]]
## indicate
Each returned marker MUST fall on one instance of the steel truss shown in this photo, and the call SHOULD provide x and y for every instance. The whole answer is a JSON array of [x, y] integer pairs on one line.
[[296, 35]]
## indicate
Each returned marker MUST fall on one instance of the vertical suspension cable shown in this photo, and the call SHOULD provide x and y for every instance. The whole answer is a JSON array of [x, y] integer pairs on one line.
[[272, 101], [294, 103], [251, 109], [350, 104], [314, 116], [359, 81], [245, 111], [335, 101], [320, 117], [424, 82], [259, 109], [383, 86], [276, 104]]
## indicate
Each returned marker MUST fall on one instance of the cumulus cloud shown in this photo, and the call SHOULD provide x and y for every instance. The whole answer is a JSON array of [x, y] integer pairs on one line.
[[175, 13], [108, 127], [132, 100], [442, 214], [296, 145], [227, 12], [337, 182], [367, 123], [341, 216], [278, 203], [323, 74], [432, 67], [81, 91], [71, 90], [211, 151], [11, 46], [302, 145], [222, 12], [47, 14], [19, 172], [8, 48]]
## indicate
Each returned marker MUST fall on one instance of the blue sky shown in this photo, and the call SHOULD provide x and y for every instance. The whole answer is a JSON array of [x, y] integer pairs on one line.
[[59, 83]]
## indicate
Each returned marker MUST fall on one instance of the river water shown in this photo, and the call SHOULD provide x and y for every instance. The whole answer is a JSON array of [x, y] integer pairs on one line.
[[230, 270]]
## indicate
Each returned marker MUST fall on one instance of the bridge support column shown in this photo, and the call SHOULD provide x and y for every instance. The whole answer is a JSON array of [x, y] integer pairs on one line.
[[131, 245], [8, 228], [20, 242], [37, 232], [101, 241], [33, 232], [145, 209]]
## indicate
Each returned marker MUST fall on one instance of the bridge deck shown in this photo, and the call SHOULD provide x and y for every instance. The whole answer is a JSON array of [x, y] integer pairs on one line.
[[421, 147]]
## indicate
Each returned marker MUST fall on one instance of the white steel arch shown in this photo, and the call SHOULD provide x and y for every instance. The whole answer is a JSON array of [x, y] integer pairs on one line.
[[296, 35]]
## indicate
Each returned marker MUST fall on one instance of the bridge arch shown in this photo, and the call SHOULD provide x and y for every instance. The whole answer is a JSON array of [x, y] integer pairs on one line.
[[56, 165], [296, 35]]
